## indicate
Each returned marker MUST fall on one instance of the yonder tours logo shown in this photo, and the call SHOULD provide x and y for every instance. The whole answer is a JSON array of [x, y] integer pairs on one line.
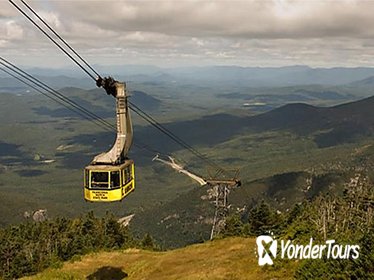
[[268, 250]]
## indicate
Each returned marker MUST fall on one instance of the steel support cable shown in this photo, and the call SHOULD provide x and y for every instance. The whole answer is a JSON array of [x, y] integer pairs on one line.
[[58, 95], [53, 40], [55, 93], [61, 39], [197, 154], [83, 114], [53, 98], [140, 113], [150, 119], [171, 135]]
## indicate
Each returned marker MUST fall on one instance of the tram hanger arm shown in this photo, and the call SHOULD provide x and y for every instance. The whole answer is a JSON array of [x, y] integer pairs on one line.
[[118, 153]]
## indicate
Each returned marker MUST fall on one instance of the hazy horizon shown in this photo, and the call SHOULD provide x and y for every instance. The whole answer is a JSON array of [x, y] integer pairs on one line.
[[164, 67]]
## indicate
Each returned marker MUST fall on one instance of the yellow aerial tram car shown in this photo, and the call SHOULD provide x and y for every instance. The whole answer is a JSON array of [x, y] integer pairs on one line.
[[109, 183], [111, 175]]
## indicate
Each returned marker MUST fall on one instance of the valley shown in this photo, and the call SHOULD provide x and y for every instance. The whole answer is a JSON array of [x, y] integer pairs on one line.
[[41, 168]]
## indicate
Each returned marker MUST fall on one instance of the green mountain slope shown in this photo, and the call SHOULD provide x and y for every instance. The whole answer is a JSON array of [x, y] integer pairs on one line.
[[330, 126]]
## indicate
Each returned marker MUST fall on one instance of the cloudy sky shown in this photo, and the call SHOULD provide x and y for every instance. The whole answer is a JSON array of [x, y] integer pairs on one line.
[[182, 33]]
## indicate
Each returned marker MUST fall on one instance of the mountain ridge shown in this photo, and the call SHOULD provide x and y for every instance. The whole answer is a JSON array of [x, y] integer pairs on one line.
[[343, 122], [250, 76]]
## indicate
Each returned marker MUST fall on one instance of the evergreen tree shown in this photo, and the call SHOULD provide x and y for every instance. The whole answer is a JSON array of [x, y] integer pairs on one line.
[[233, 226], [148, 242], [263, 219]]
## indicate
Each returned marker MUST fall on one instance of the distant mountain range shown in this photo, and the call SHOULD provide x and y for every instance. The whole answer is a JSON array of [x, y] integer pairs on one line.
[[282, 76], [329, 126], [332, 125], [233, 75], [365, 82]]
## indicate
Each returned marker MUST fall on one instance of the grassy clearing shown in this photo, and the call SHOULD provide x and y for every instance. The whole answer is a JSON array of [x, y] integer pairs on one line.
[[231, 258]]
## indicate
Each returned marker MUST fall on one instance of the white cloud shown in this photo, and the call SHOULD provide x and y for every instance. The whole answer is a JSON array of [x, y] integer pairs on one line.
[[13, 31], [317, 33]]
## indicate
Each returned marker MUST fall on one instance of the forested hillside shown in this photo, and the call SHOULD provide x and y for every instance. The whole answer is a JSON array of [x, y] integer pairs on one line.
[[33, 246]]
